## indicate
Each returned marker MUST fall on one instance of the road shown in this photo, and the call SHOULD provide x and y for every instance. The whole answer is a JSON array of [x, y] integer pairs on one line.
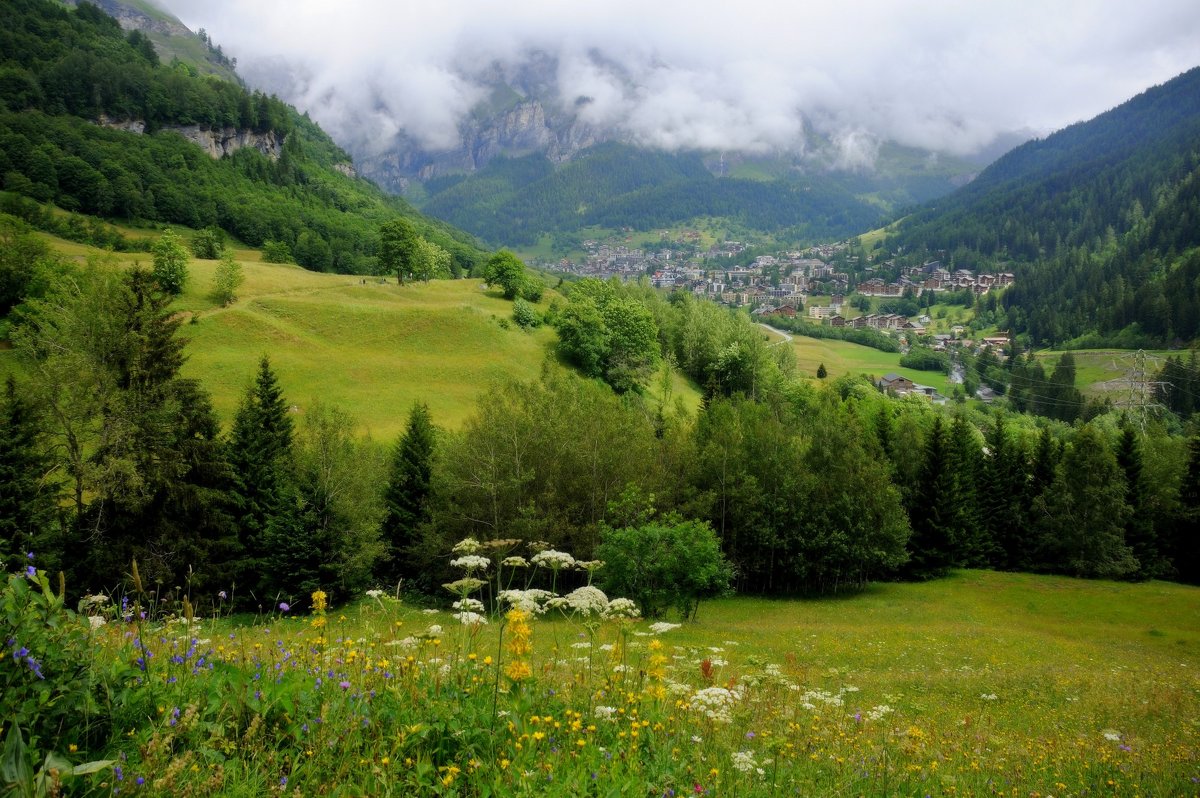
[[787, 338]]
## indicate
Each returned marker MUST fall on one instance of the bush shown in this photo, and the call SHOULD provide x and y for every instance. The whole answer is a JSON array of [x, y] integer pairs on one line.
[[525, 315], [923, 358], [276, 252], [663, 564], [208, 243]]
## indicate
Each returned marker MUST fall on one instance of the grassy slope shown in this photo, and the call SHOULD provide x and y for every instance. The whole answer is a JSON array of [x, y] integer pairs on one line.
[[843, 357], [1105, 371], [372, 349]]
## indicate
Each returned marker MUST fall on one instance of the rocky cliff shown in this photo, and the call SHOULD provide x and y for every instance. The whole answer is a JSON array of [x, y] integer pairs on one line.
[[217, 142]]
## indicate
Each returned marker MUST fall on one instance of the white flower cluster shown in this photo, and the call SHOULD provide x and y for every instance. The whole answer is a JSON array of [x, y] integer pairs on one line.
[[467, 546], [587, 600], [468, 618], [471, 563], [434, 631], [662, 627], [877, 713], [532, 601], [94, 600], [990, 697], [96, 621], [375, 594], [811, 698], [621, 608], [716, 703], [1112, 735], [515, 562], [468, 605], [744, 761], [554, 560], [604, 713], [589, 565]]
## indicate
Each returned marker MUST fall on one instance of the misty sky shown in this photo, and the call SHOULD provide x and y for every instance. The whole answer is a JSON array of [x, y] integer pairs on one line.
[[744, 75]]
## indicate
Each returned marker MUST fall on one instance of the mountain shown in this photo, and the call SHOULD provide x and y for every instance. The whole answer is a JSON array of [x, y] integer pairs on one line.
[[1098, 221], [92, 120], [523, 141]]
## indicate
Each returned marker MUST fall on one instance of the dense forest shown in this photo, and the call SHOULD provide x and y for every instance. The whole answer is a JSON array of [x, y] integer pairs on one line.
[[1097, 221], [61, 71], [513, 201]]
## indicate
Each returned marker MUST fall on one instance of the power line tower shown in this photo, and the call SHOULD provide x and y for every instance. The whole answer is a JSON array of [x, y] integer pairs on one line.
[[1140, 400]]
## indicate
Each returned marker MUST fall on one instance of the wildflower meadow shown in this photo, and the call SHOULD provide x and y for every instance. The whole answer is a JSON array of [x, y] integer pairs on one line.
[[980, 684]]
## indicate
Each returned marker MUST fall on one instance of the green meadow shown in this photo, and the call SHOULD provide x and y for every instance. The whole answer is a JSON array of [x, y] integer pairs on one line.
[[367, 345], [1101, 372], [844, 357], [978, 684]]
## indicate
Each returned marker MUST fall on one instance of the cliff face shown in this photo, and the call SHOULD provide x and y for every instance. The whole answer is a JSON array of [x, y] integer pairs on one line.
[[526, 128], [215, 142], [132, 18]]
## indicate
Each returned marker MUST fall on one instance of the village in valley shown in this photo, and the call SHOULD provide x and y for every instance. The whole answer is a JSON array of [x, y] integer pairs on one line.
[[815, 282]]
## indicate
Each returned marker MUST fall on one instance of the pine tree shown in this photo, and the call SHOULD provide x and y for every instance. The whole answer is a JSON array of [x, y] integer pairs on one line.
[[933, 511], [1002, 495], [975, 546], [1083, 513], [1139, 530], [27, 501], [1185, 543], [406, 497], [260, 453]]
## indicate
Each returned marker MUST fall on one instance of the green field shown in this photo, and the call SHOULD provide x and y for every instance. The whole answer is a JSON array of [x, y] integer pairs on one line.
[[978, 684], [1108, 371], [843, 357], [371, 347]]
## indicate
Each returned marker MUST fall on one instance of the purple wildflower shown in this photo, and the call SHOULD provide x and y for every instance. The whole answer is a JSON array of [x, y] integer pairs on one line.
[[284, 606]]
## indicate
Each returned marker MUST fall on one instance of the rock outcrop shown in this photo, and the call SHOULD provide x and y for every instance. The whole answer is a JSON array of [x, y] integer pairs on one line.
[[217, 142]]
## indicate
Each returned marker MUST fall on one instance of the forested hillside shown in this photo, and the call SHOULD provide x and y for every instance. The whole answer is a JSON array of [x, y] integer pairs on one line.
[[1096, 221], [65, 72], [513, 201]]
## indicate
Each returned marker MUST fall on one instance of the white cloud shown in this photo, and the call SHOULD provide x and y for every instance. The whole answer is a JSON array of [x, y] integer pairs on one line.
[[712, 74]]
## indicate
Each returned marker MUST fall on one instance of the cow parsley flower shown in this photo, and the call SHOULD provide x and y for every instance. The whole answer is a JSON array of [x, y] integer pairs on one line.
[[554, 560], [467, 618], [587, 601], [621, 608], [662, 627], [467, 546], [471, 563]]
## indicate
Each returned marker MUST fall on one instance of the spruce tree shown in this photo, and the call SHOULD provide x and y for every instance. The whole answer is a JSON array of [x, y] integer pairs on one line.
[[975, 545], [933, 510], [1185, 543], [260, 453], [1083, 514], [406, 497], [1002, 496], [27, 500], [1139, 530]]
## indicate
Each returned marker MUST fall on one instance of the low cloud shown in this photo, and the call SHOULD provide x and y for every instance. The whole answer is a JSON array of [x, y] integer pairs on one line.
[[750, 77]]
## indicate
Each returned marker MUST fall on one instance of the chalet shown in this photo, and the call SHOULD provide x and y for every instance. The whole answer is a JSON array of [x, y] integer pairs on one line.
[[784, 310], [996, 341], [896, 383], [836, 321]]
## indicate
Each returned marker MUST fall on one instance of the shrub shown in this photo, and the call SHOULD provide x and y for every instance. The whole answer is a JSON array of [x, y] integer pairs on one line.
[[208, 243], [276, 252], [663, 564], [525, 315]]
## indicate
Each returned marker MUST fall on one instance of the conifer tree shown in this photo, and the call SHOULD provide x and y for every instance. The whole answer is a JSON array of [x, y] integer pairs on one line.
[[1082, 516], [1002, 495], [260, 453], [1139, 530], [934, 509], [1185, 545], [975, 545], [27, 501], [406, 497]]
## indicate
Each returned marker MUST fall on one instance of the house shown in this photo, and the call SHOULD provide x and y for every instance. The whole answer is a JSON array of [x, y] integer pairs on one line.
[[821, 312], [836, 321], [896, 383], [784, 310]]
